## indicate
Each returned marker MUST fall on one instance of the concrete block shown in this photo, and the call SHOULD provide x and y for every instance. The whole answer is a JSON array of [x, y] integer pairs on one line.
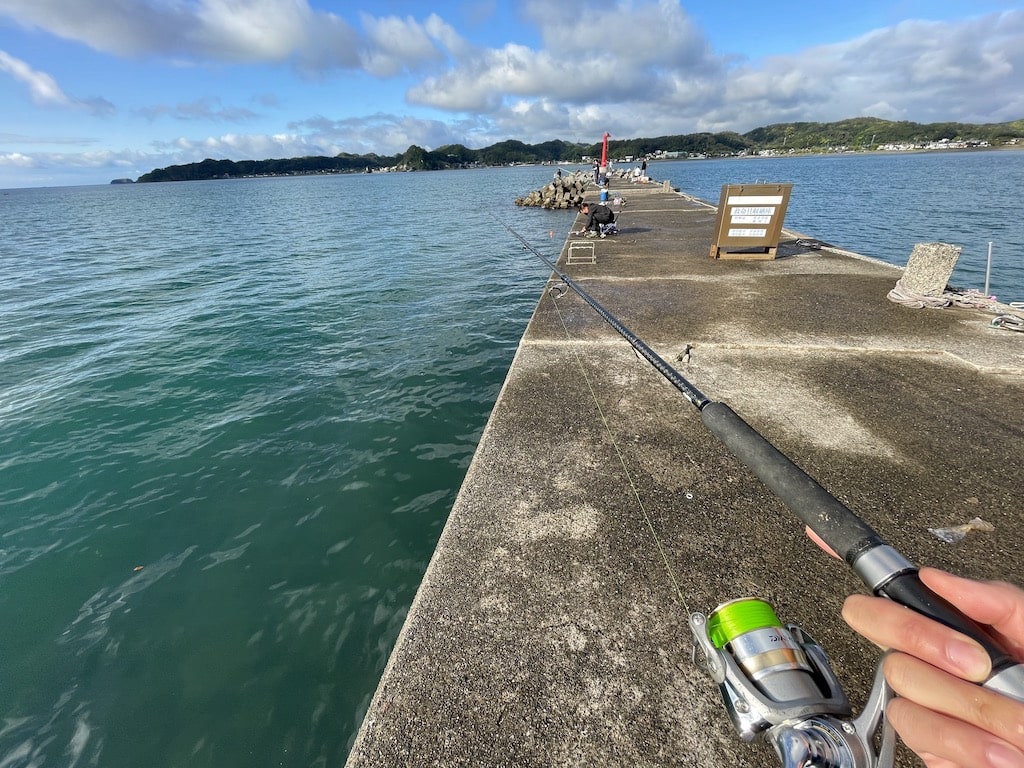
[[929, 268]]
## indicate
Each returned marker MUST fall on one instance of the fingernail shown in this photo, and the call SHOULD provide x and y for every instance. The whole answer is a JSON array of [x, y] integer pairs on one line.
[[1003, 756], [969, 659]]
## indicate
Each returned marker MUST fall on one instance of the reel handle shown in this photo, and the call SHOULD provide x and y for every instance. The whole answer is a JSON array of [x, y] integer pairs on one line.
[[777, 684]]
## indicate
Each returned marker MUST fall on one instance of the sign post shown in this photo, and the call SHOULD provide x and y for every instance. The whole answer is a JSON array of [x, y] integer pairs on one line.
[[749, 221]]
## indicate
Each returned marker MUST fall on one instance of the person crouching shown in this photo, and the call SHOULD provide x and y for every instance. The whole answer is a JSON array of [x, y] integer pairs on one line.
[[597, 216]]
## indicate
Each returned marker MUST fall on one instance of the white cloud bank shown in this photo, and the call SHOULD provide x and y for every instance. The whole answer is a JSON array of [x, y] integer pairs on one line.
[[657, 75]]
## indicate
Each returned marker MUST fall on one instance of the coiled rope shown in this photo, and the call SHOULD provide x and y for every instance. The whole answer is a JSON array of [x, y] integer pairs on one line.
[[952, 297], [1009, 323]]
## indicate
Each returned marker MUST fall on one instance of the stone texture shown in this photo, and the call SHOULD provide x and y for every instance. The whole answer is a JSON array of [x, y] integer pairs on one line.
[[929, 268]]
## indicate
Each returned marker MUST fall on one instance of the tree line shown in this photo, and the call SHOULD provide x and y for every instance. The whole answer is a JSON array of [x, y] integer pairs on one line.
[[862, 133]]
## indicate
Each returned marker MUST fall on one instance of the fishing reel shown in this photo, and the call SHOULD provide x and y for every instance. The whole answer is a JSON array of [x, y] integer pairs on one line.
[[777, 683]]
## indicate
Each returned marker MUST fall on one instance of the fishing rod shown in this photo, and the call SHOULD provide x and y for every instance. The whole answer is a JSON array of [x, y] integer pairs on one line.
[[776, 681]]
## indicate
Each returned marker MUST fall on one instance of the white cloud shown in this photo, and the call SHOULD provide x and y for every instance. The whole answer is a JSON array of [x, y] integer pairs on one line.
[[969, 71], [121, 28], [44, 90], [251, 30], [238, 31], [17, 160], [394, 45], [481, 82], [656, 69], [639, 34], [200, 109], [103, 159], [661, 76], [384, 134], [640, 62]]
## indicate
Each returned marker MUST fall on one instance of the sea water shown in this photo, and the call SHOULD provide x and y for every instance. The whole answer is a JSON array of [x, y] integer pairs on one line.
[[234, 417], [235, 414]]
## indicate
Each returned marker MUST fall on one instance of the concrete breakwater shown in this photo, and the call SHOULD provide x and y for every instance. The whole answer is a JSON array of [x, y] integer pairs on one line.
[[550, 628]]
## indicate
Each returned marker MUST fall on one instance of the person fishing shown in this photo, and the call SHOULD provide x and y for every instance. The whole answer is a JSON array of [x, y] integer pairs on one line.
[[597, 216]]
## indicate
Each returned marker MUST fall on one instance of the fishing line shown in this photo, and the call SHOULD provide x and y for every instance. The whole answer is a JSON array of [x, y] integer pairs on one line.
[[615, 446], [688, 390]]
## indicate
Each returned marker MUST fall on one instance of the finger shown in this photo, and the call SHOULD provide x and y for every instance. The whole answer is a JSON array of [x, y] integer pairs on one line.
[[890, 625], [997, 719], [994, 603], [945, 741], [820, 542]]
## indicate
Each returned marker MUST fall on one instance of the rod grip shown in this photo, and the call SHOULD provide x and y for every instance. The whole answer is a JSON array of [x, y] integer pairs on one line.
[[836, 524], [907, 589]]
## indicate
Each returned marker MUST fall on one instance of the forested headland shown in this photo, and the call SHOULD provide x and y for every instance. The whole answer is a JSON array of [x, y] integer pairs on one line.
[[857, 134]]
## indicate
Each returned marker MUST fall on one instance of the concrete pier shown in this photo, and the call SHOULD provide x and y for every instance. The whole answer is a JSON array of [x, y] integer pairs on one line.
[[598, 512]]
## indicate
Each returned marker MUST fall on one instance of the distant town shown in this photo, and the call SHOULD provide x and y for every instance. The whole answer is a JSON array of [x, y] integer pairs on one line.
[[903, 146]]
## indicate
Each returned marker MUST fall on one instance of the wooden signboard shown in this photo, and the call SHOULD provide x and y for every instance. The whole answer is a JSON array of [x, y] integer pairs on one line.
[[749, 221]]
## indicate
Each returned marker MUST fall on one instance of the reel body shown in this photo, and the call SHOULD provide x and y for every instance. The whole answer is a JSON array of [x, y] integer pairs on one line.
[[777, 683]]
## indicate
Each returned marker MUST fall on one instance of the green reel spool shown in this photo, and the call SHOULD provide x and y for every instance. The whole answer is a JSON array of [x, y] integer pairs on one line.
[[737, 617]]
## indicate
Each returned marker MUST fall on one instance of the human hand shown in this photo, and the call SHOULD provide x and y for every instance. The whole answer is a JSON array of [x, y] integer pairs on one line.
[[941, 713]]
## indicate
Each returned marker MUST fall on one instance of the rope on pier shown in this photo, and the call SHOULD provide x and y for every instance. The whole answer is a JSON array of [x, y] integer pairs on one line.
[[952, 297], [1009, 323]]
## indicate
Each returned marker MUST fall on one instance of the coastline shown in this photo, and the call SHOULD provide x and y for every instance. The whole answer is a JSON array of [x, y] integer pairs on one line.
[[847, 153]]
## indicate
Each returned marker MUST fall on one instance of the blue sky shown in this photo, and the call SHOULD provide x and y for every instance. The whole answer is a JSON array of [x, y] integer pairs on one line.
[[92, 90]]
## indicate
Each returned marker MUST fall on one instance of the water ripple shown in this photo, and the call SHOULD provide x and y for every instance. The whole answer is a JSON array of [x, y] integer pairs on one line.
[[235, 416]]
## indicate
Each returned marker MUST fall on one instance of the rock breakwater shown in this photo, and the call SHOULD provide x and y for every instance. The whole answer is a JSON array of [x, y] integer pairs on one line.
[[563, 192]]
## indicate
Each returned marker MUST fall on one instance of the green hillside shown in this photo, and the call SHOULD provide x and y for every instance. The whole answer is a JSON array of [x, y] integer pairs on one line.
[[856, 134]]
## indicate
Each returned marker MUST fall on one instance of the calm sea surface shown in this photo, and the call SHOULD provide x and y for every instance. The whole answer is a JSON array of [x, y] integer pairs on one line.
[[234, 416]]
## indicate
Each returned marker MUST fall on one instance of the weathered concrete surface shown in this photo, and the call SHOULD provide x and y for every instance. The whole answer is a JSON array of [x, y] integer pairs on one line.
[[549, 630]]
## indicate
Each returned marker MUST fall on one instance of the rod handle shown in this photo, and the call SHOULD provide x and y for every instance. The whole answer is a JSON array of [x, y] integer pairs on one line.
[[1007, 673], [837, 525], [849, 536]]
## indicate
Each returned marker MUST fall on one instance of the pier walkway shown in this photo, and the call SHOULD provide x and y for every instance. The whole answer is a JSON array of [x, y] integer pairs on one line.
[[551, 626]]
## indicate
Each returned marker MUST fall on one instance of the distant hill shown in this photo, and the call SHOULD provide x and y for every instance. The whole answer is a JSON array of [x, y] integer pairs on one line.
[[856, 134]]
